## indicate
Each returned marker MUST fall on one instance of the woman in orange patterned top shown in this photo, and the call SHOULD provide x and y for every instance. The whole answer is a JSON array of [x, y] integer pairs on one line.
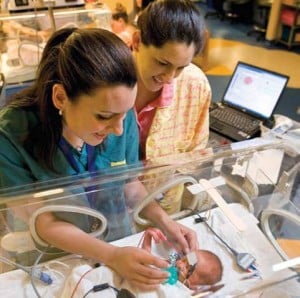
[[174, 95]]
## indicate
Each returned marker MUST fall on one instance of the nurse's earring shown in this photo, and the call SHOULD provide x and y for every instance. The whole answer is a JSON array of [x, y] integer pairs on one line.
[[60, 112]]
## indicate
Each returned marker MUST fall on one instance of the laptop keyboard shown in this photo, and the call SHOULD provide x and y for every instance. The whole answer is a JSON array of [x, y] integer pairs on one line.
[[236, 120]]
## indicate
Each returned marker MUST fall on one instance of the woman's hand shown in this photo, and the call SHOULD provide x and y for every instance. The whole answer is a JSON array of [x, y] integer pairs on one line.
[[139, 267], [183, 238]]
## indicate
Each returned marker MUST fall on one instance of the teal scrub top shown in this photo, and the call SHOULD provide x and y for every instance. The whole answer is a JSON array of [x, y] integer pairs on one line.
[[18, 167]]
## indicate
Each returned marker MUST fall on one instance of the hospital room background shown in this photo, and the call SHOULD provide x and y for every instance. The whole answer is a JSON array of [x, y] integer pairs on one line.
[[241, 198]]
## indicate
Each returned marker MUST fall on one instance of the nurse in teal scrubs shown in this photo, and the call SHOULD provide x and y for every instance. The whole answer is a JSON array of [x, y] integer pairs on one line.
[[78, 117]]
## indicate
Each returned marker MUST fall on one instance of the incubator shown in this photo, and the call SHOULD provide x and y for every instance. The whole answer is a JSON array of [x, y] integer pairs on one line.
[[31, 5], [242, 201], [24, 33]]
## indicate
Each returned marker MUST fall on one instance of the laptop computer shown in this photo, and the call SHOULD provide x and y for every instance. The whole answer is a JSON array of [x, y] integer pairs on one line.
[[249, 100]]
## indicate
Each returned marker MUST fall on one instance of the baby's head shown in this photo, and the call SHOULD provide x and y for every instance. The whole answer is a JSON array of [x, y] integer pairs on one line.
[[205, 269]]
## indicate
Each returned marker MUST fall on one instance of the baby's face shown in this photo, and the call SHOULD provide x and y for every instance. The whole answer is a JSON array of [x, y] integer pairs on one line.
[[183, 267], [195, 279], [187, 277]]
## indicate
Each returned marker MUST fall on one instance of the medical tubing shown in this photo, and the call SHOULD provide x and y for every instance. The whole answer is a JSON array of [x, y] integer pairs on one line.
[[243, 260], [37, 273], [79, 281], [32, 275], [88, 292], [9, 262], [202, 219], [152, 196], [265, 285], [100, 287], [66, 208]]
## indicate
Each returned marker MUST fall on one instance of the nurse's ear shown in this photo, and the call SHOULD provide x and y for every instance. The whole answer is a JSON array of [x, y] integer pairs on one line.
[[59, 96], [136, 40]]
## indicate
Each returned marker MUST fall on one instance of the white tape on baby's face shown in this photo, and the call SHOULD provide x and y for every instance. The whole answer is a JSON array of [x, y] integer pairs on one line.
[[192, 258]]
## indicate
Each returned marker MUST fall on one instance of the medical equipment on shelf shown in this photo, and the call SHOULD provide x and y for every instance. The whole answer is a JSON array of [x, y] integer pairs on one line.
[[282, 124], [20, 62], [30, 5], [66, 208]]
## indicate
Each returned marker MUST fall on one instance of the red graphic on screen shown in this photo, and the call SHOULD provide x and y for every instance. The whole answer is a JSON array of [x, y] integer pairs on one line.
[[248, 80]]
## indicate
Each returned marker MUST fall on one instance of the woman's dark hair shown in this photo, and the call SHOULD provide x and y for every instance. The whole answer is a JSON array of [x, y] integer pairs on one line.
[[145, 3], [82, 60], [169, 20], [120, 12]]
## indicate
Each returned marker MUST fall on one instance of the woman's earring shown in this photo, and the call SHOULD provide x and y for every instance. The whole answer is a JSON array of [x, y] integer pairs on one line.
[[60, 112]]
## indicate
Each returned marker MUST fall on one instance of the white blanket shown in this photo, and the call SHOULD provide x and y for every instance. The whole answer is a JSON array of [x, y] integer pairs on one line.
[[105, 275]]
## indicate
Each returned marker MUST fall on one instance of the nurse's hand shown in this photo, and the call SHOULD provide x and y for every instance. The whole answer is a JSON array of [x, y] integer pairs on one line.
[[183, 238], [139, 267]]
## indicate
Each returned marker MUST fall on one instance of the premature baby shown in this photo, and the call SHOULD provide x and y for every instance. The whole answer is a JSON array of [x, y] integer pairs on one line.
[[200, 267]]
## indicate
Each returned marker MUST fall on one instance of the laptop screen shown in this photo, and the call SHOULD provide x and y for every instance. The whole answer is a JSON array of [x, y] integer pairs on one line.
[[254, 90]]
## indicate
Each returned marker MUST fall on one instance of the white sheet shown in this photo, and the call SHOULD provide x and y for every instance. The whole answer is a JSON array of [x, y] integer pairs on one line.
[[103, 275]]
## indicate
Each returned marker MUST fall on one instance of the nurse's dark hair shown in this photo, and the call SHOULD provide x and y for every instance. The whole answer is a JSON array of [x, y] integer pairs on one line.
[[163, 21], [82, 60]]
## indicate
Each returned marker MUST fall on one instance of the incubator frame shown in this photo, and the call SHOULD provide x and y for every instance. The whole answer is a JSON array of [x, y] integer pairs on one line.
[[226, 169]]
